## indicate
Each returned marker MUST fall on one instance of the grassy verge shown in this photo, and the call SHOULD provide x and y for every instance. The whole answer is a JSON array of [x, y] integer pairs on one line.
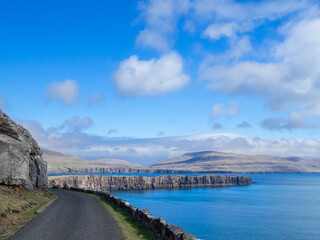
[[18, 206], [131, 229]]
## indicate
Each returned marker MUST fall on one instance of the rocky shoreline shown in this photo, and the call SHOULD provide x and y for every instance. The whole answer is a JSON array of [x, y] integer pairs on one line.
[[116, 183]]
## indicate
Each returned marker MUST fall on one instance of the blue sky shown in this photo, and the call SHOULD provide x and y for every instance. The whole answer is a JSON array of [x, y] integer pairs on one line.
[[148, 80]]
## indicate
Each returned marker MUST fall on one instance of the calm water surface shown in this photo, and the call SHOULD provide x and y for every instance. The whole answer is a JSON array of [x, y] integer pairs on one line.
[[279, 206]]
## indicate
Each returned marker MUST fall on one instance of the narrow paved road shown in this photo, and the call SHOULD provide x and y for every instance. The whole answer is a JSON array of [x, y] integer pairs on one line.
[[72, 216]]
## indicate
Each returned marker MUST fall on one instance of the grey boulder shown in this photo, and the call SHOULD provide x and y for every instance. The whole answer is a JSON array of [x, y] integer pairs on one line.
[[21, 162]]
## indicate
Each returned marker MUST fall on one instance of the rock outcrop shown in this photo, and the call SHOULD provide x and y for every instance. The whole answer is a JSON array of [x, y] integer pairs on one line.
[[115, 183], [21, 161]]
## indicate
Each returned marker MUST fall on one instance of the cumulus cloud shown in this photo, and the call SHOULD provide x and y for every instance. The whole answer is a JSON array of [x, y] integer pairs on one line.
[[215, 19], [67, 91], [153, 39], [295, 121], [221, 109], [244, 124], [216, 31], [149, 150], [150, 77], [160, 18], [76, 124], [247, 13], [290, 79], [239, 49]]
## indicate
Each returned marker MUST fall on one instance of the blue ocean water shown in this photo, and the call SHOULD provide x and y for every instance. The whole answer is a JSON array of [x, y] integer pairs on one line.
[[278, 206]]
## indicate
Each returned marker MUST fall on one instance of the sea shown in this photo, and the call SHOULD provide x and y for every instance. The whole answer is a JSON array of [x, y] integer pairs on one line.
[[277, 206]]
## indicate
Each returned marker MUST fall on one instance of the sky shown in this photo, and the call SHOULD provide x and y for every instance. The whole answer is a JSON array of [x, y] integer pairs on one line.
[[150, 80]]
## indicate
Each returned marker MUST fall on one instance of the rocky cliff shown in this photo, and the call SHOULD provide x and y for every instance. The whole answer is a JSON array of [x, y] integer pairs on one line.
[[115, 183], [21, 161]]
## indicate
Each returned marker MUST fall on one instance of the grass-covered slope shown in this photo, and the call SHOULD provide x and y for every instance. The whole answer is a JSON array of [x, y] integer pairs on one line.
[[130, 228], [238, 163], [18, 206], [117, 162], [60, 162]]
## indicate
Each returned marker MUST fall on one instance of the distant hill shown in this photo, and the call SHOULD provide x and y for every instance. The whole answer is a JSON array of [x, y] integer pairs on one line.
[[59, 162], [240, 163], [117, 162], [209, 161]]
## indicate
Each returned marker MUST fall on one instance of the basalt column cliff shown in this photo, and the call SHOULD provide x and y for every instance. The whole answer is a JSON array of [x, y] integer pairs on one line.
[[21, 161]]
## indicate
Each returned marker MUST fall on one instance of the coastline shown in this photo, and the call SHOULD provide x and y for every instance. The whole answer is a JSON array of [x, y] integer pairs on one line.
[[116, 183]]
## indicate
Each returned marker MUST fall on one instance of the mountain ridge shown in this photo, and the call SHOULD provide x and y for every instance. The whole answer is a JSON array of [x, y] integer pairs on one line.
[[202, 162], [237, 163]]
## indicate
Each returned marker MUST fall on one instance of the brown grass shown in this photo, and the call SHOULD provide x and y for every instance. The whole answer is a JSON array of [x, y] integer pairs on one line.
[[18, 206]]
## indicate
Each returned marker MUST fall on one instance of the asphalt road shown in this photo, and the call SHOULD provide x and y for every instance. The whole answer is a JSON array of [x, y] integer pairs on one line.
[[72, 216]]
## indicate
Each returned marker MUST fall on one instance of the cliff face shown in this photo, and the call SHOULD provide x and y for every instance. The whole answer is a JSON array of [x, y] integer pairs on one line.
[[21, 160], [114, 183]]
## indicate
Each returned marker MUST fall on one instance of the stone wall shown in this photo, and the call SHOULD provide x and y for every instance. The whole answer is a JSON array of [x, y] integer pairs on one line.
[[159, 226]]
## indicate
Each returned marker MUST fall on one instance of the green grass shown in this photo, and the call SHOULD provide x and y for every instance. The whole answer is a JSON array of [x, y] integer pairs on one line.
[[18, 206], [131, 229]]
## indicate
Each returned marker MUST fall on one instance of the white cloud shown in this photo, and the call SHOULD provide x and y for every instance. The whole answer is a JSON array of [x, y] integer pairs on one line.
[[67, 91], [295, 121], [216, 31], [76, 124], [147, 151], [150, 77], [240, 48], [160, 18], [291, 79], [245, 12], [153, 39], [214, 19], [221, 109]]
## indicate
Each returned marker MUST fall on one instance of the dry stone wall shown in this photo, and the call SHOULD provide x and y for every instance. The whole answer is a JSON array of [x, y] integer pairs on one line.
[[159, 226]]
